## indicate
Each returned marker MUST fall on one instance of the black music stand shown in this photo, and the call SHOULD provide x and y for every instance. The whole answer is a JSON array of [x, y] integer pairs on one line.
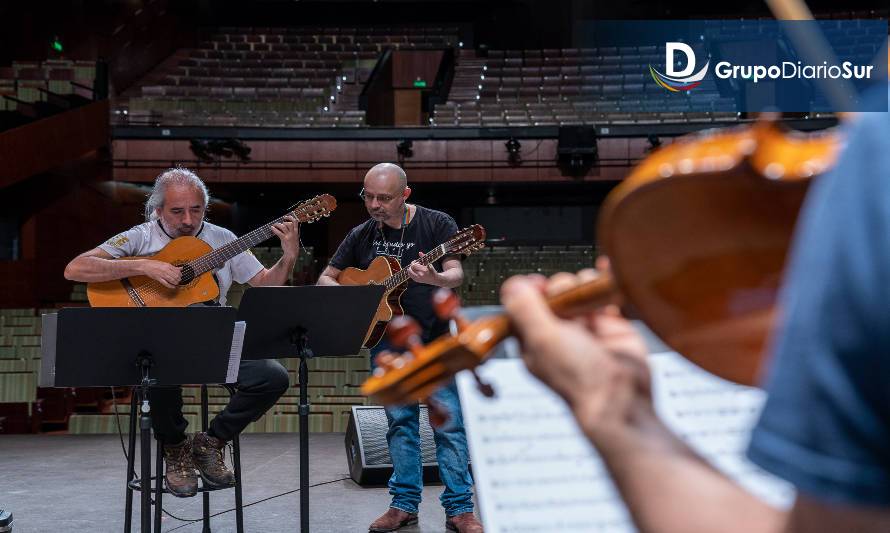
[[307, 322], [139, 347]]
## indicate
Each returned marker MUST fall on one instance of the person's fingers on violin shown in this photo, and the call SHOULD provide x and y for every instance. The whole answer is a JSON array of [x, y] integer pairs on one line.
[[587, 274], [532, 318], [602, 264], [539, 281], [561, 282], [564, 281], [560, 353]]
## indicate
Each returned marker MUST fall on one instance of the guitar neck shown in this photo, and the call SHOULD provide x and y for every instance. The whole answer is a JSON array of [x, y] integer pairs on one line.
[[401, 276], [218, 257]]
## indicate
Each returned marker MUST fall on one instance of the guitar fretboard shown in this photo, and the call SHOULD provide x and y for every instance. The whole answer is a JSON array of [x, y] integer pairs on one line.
[[402, 275], [218, 257]]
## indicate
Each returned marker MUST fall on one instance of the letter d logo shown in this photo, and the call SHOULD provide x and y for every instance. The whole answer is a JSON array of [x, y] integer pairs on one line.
[[674, 80], [670, 49]]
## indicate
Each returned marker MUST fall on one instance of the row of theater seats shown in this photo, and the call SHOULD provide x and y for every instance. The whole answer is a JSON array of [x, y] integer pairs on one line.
[[487, 269], [570, 86], [20, 410], [334, 33], [275, 77], [333, 390], [206, 116], [28, 81], [34, 90], [562, 113]]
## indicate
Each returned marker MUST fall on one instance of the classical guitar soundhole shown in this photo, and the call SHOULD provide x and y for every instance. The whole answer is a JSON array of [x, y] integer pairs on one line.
[[188, 274]]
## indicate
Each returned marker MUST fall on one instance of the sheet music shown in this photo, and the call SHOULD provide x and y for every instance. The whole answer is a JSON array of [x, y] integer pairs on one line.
[[535, 471], [235, 353]]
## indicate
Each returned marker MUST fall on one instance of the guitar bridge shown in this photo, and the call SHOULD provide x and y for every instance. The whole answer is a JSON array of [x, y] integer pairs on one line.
[[134, 294]]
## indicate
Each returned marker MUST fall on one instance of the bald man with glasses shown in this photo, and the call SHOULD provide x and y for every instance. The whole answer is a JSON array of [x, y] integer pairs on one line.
[[402, 231]]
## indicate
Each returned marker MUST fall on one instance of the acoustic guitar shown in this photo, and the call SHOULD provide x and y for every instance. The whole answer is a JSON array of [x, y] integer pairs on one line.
[[197, 260], [386, 271]]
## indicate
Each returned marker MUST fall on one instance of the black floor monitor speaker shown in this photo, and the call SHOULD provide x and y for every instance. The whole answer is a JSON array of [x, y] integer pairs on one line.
[[368, 454]]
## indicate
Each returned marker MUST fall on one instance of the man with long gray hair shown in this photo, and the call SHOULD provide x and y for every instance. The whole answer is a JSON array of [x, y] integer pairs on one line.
[[176, 208]]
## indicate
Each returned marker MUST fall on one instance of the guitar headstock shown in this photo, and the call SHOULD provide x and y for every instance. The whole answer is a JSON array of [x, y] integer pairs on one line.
[[466, 241], [315, 208]]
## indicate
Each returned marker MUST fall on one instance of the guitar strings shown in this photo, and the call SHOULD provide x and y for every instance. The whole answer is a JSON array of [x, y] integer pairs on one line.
[[203, 264]]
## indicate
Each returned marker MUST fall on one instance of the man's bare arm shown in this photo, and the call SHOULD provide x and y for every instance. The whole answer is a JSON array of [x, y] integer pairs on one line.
[[452, 274], [98, 265], [329, 276]]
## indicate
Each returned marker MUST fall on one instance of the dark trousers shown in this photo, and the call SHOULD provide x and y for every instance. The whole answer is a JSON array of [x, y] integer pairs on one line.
[[260, 384]]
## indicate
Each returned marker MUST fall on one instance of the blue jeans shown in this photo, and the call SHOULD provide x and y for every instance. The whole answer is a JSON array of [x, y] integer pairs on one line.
[[403, 438]]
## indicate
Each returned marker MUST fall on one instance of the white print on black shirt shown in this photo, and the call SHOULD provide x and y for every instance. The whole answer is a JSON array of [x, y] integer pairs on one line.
[[392, 249]]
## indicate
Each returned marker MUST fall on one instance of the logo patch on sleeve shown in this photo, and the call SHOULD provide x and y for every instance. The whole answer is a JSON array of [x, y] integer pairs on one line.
[[118, 240]]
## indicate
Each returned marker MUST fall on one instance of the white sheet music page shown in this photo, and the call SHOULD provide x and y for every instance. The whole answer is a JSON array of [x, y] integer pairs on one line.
[[535, 471], [235, 352]]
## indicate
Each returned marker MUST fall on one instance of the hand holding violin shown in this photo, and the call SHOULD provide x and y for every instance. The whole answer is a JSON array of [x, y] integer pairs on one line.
[[595, 361]]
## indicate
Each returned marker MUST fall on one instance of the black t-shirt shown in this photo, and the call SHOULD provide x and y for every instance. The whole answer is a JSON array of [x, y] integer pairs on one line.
[[426, 230]]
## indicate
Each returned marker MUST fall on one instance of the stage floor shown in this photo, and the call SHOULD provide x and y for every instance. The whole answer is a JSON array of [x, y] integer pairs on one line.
[[76, 483]]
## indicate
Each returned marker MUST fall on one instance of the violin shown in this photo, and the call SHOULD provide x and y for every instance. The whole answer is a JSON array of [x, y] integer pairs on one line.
[[697, 237]]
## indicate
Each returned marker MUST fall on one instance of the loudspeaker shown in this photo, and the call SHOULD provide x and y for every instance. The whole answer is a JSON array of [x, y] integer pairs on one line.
[[576, 140], [367, 453], [576, 149]]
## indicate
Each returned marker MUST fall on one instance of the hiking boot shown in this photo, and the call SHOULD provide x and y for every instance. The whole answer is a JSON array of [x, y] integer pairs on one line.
[[392, 520], [207, 453], [179, 470]]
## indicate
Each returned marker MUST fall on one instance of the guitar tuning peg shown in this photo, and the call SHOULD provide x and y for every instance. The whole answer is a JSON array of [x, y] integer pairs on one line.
[[446, 305], [403, 333]]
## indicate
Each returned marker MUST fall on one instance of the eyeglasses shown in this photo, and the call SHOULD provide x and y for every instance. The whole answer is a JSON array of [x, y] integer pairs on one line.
[[382, 198]]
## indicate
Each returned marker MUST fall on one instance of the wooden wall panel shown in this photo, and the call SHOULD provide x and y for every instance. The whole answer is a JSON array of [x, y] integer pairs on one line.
[[458, 160], [369, 153], [408, 65], [406, 107], [51, 142], [469, 160]]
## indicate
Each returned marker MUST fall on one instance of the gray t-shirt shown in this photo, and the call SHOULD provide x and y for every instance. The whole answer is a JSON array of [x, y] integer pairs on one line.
[[148, 239]]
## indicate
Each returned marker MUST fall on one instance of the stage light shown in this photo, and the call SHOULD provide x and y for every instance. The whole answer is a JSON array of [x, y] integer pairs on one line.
[[513, 148], [491, 199], [654, 142], [404, 148], [213, 150]]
